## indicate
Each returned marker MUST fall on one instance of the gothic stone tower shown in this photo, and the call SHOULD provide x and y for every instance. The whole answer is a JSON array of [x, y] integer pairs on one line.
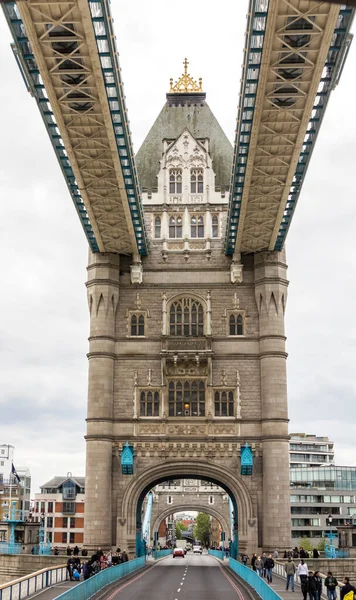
[[187, 357]]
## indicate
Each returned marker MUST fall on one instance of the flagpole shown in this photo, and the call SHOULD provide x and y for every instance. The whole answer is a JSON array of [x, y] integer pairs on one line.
[[10, 497]]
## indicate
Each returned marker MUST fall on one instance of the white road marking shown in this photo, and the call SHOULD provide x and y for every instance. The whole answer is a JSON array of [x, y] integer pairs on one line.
[[178, 590]]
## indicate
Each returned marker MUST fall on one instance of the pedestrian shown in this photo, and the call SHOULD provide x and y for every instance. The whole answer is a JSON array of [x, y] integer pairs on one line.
[[315, 553], [124, 556], [269, 564], [311, 586], [259, 566], [290, 569], [70, 568], [347, 591], [319, 585], [69, 551], [55, 551], [302, 572], [331, 583], [244, 559], [253, 561], [76, 551], [275, 554], [264, 558]]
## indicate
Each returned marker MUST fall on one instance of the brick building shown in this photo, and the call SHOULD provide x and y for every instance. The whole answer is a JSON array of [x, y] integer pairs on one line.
[[61, 503]]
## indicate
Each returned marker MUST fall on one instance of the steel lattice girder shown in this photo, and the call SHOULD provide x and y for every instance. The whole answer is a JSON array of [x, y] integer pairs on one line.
[[295, 51], [69, 62]]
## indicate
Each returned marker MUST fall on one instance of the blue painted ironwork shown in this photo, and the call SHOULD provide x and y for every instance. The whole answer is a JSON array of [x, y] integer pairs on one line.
[[127, 459], [162, 553], [147, 518], [45, 546], [246, 460], [257, 583], [90, 587], [108, 55], [256, 27], [334, 64], [217, 553], [31, 75], [33, 583]]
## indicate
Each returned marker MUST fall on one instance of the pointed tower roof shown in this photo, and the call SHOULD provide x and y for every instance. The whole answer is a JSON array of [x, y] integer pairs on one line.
[[185, 107]]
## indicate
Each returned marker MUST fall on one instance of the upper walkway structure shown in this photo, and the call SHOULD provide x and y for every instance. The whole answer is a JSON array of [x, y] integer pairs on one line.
[[67, 55], [294, 55]]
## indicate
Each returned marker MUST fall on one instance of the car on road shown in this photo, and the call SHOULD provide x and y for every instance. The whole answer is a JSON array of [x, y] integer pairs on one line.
[[178, 552], [197, 550]]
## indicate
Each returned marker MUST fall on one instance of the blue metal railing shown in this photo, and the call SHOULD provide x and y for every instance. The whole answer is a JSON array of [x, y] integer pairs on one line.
[[87, 589], [217, 553], [33, 583], [162, 553], [256, 582]]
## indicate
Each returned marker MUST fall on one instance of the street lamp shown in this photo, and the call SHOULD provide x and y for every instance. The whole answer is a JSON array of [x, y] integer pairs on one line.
[[331, 546]]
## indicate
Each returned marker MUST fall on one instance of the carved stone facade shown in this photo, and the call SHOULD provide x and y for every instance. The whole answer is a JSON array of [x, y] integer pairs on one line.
[[182, 388]]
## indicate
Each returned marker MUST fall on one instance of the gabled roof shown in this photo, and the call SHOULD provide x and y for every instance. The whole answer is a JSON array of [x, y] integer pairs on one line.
[[56, 482], [176, 115]]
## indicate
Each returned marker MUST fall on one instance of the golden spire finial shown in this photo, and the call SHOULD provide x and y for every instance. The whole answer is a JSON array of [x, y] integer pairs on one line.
[[185, 84]]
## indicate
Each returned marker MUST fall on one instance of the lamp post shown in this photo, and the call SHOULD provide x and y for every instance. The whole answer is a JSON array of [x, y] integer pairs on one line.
[[42, 534], [331, 546]]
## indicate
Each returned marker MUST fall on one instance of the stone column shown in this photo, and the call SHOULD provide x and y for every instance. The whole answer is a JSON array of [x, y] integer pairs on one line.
[[103, 298], [271, 295]]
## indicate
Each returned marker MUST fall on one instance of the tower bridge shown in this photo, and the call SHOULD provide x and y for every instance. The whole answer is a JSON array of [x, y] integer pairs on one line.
[[187, 278]]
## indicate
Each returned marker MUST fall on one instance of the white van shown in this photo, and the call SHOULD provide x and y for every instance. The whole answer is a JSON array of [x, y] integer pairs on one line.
[[197, 550]]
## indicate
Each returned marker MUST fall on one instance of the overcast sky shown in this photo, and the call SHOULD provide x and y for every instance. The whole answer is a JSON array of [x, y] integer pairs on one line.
[[44, 318]]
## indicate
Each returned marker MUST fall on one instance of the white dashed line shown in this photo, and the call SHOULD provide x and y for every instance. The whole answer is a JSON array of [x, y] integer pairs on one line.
[[178, 590]]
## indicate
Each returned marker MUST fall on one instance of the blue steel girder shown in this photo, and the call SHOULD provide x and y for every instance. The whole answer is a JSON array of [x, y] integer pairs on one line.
[[293, 60], [67, 56]]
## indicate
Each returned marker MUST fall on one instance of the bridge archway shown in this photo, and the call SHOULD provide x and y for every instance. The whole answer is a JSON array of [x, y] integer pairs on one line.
[[130, 508], [183, 507]]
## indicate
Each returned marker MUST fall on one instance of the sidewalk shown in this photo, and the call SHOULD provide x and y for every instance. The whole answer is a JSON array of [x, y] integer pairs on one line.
[[279, 586], [55, 590]]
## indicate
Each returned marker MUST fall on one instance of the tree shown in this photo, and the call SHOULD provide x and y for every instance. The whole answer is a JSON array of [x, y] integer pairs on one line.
[[202, 528], [321, 545], [306, 544], [179, 528]]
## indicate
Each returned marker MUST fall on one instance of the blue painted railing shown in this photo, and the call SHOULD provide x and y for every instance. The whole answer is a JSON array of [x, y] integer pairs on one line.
[[87, 589], [217, 553], [35, 582], [162, 553], [256, 582]]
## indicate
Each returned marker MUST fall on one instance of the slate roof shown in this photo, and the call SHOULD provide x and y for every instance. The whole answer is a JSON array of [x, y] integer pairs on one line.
[[57, 481], [176, 115]]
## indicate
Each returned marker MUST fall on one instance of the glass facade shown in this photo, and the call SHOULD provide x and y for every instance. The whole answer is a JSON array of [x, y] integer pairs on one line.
[[331, 477]]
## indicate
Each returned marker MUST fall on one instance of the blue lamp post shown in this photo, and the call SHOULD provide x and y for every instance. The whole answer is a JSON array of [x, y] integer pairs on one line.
[[331, 535]]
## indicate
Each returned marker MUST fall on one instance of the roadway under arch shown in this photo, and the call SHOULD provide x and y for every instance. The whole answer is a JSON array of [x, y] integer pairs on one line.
[[183, 507]]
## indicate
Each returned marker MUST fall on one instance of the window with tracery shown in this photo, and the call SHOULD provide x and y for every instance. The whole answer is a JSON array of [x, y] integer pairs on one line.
[[186, 398], [175, 181], [196, 181], [236, 324], [224, 403], [157, 227], [215, 226], [175, 226], [197, 226], [186, 317], [149, 403], [137, 325]]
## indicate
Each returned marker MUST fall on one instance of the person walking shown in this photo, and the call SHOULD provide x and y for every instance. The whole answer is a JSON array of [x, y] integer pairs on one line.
[[302, 572], [125, 558], [269, 564], [347, 591], [264, 558], [253, 561], [331, 583], [259, 566], [312, 586], [319, 585], [290, 569]]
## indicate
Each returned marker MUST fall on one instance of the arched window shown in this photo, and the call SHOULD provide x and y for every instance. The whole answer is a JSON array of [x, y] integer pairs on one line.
[[175, 181], [186, 398], [215, 226], [224, 403], [196, 181], [236, 325], [186, 317], [157, 227], [138, 325], [175, 226], [149, 403], [197, 226]]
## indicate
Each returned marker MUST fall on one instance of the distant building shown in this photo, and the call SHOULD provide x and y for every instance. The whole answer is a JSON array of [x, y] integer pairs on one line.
[[61, 503], [307, 450], [10, 488]]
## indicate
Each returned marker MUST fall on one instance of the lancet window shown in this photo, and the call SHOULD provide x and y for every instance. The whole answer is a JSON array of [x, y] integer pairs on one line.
[[138, 325], [157, 227], [186, 398], [149, 403], [236, 324], [197, 226], [175, 226], [175, 181], [186, 317], [196, 181], [215, 226], [224, 403]]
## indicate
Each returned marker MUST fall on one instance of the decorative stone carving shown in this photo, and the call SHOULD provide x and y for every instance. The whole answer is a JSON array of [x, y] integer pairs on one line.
[[236, 272], [223, 377], [190, 367], [136, 273], [223, 429], [185, 429], [187, 344], [149, 428]]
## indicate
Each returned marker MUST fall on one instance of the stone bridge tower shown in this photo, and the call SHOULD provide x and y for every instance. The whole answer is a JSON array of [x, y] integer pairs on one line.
[[187, 358]]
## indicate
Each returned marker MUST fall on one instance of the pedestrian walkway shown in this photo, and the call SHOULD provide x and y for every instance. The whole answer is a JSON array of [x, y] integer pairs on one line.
[[52, 592], [279, 586]]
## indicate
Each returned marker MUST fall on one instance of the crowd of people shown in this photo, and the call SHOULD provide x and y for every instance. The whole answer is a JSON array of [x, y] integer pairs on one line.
[[100, 560]]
